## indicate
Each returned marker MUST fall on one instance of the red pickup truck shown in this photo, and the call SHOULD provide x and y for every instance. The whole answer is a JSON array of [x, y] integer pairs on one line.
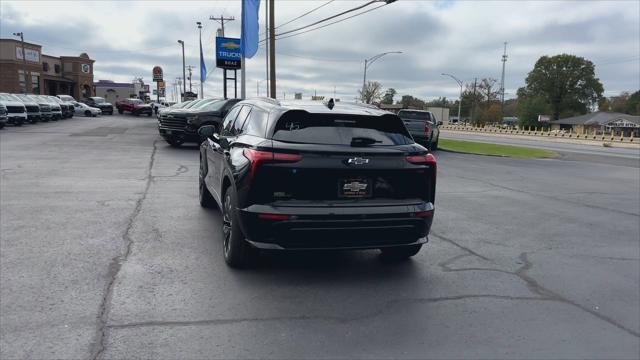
[[134, 106]]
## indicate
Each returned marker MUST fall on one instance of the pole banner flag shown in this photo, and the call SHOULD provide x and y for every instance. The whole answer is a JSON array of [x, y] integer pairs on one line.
[[249, 38]]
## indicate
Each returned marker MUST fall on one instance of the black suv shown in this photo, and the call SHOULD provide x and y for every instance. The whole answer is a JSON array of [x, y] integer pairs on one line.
[[181, 125], [313, 175], [100, 103]]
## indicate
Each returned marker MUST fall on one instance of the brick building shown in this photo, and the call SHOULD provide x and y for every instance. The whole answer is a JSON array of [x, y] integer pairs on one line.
[[48, 75]]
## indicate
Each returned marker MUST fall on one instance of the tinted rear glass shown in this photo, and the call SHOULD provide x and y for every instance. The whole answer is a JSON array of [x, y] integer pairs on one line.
[[336, 129], [413, 115]]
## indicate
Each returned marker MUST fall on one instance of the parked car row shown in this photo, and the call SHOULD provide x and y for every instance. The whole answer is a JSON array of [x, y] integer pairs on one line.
[[19, 109]]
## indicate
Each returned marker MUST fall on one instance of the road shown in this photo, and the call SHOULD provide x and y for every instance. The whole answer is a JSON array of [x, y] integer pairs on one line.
[[616, 155], [105, 253]]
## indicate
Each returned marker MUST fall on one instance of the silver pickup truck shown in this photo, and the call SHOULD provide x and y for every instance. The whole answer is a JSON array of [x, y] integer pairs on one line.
[[422, 125]]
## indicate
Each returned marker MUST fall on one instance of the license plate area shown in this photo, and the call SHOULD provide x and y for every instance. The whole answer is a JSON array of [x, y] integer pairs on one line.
[[354, 188]]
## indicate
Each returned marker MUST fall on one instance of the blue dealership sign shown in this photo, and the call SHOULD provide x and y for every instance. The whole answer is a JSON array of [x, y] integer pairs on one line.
[[228, 53]]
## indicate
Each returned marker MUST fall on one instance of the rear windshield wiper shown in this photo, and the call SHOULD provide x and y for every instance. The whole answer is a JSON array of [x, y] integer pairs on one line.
[[363, 141]]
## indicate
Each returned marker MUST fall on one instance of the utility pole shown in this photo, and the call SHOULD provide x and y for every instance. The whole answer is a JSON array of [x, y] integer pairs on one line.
[[272, 49], [504, 61], [221, 21], [190, 68], [266, 45], [473, 102], [201, 80], [184, 83], [24, 63]]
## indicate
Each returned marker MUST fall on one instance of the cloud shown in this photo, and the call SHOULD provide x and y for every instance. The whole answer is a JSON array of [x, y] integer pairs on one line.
[[127, 38]]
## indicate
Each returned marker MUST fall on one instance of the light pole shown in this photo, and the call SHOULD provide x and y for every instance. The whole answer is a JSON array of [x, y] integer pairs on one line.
[[367, 63], [459, 83], [24, 60], [258, 86], [201, 80], [184, 75]]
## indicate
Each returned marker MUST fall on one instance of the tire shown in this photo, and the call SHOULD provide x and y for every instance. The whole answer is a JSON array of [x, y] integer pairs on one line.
[[237, 252], [34, 121], [1, 125], [120, 111], [434, 146], [205, 197], [174, 142], [400, 253], [149, 114], [18, 123], [87, 113]]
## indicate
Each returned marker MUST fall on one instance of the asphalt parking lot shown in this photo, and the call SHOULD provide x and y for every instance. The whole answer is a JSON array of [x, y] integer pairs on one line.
[[106, 253]]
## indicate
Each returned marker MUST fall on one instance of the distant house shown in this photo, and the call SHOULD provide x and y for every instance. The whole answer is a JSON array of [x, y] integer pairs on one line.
[[600, 121]]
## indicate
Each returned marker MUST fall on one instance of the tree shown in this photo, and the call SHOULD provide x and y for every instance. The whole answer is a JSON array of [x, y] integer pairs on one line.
[[633, 104], [487, 90], [409, 101], [529, 108], [510, 107], [604, 104], [491, 115], [566, 82], [371, 93], [388, 96], [619, 103]]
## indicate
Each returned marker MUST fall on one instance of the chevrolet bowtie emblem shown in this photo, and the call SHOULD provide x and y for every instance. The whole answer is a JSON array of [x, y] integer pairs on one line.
[[358, 161], [354, 186]]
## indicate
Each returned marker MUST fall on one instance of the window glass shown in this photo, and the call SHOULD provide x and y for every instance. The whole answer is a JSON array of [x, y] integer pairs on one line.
[[35, 83], [241, 119], [337, 129], [214, 106], [228, 121], [413, 115], [21, 80], [257, 123]]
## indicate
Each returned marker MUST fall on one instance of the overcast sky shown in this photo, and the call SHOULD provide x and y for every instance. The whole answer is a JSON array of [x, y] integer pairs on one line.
[[462, 38]]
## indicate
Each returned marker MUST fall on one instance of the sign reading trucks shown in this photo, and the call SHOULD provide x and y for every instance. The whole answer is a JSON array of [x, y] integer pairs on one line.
[[228, 55]]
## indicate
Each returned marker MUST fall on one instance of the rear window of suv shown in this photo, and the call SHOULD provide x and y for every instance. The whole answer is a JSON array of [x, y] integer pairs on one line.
[[336, 129]]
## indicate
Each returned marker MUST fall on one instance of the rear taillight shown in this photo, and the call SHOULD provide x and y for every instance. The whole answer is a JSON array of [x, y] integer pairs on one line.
[[426, 127], [257, 157], [426, 159]]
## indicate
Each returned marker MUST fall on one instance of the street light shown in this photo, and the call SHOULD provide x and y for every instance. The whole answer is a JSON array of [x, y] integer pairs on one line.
[[258, 86], [368, 62], [201, 80], [459, 83], [184, 75]]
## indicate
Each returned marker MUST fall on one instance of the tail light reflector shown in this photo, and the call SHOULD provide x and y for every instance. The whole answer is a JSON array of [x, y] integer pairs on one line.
[[274, 216]]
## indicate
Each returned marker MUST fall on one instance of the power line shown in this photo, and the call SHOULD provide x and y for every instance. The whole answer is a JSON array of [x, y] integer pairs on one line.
[[329, 18], [305, 14], [331, 23]]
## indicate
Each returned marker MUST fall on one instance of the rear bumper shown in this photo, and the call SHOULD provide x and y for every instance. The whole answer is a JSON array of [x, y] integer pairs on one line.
[[337, 227]]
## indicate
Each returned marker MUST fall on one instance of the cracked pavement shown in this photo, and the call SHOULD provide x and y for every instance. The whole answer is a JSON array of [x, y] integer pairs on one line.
[[105, 253]]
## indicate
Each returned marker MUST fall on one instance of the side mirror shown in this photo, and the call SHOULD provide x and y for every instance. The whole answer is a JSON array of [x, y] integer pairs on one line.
[[208, 132], [439, 123]]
